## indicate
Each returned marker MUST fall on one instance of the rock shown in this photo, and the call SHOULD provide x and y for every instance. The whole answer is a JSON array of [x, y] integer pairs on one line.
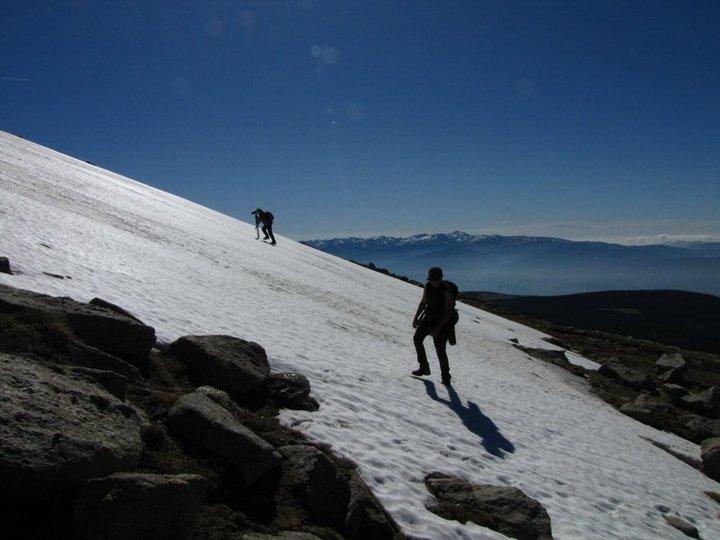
[[199, 420], [647, 409], [291, 390], [669, 362], [683, 526], [59, 430], [98, 327], [114, 383], [135, 505], [673, 391], [112, 307], [220, 397], [506, 510], [675, 376], [315, 481], [228, 363], [365, 517], [615, 369], [707, 403], [5, 266], [552, 356], [282, 535], [710, 455], [714, 495]]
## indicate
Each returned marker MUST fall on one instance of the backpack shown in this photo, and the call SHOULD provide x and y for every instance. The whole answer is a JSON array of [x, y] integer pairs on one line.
[[269, 217], [455, 316]]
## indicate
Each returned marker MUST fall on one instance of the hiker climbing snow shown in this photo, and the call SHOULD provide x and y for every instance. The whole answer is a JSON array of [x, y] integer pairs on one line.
[[267, 222], [258, 219], [436, 316]]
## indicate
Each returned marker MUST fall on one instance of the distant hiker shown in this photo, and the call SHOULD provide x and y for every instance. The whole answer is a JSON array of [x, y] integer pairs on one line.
[[435, 316], [258, 219], [267, 220]]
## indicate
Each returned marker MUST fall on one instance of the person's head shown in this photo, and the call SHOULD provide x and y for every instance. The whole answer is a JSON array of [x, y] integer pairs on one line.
[[435, 274]]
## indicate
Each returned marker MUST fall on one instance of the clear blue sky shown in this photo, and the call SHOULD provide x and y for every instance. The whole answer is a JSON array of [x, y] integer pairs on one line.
[[577, 119]]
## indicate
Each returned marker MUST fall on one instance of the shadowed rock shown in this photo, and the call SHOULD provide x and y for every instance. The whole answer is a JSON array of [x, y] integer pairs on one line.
[[504, 509], [58, 430], [291, 390], [669, 361], [683, 526], [5, 266], [225, 362], [134, 505], [315, 481], [615, 369], [710, 455], [197, 419], [365, 517]]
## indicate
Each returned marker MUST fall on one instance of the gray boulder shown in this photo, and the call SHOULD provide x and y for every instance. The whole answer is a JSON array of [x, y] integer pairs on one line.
[[706, 403], [134, 505], [647, 409], [5, 266], [670, 361], [225, 362], [58, 430], [291, 390], [113, 307], [506, 510], [673, 376], [615, 369], [673, 392], [682, 526], [365, 516], [114, 383], [710, 456], [199, 420], [95, 326], [220, 397], [316, 483]]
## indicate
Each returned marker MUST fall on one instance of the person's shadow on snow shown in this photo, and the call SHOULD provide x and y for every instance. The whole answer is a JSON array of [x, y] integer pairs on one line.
[[492, 440]]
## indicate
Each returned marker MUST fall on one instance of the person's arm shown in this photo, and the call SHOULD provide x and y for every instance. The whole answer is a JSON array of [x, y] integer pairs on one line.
[[449, 306], [421, 306]]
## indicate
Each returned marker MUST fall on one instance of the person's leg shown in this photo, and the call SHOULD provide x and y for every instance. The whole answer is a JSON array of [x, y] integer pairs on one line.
[[420, 334], [264, 230], [441, 349], [272, 236]]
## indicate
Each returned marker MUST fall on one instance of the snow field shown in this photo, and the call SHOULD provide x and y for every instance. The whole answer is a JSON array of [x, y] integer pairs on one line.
[[508, 419]]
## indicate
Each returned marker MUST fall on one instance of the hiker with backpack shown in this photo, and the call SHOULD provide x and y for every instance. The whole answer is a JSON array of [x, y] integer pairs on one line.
[[436, 316], [267, 220], [258, 219]]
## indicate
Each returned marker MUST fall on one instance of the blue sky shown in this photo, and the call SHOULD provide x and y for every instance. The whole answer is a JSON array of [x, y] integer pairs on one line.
[[589, 119]]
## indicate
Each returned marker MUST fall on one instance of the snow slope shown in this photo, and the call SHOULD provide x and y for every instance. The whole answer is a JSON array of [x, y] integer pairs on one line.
[[508, 420]]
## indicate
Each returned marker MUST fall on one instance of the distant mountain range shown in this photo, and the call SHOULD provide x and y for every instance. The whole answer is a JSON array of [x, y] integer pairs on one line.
[[538, 265]]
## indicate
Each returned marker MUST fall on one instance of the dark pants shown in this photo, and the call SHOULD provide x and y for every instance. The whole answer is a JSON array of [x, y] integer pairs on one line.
[[267, 231], [440, 342]]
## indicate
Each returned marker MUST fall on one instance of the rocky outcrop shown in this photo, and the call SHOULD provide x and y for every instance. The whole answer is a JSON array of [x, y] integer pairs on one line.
[[225, 362], [506, 510], [112, 307], [199, 420], [682, 526], [135, 505], [556, 357], [58, 430], [114, 383], [5, 266], [91, 330], [710, 456], [365, 517], [291, 390], [706, 403], [315, 481]]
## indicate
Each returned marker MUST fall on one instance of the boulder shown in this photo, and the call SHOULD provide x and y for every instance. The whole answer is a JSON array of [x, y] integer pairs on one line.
[[58, 430], [615, 369], [647, 409], [98, 327], [113, 307], [673, 376], [199, 420], [220, 397], [710, 456], [135, 505], [673, 391], [365, 517], [506, 510], [5, 266], [114, 383], [682, 526], [228, 363], [706, 403], [669, 362], [291, 390], [315, 481]]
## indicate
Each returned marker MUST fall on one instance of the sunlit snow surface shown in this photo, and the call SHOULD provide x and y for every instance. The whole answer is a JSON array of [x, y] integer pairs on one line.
[[511, 420]]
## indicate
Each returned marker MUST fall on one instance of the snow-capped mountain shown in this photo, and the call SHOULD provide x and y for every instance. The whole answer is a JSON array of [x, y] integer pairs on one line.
[[537, 265], [73, 229]]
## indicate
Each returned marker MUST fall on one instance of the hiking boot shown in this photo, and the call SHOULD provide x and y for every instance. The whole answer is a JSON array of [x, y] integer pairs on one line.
[[273, 243], [421, 371], [446, 379]]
